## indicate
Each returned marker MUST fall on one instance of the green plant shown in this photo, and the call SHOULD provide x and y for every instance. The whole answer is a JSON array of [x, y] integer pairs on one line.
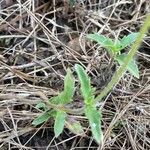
[[94, 116], [71, 3], [62, 99], [114, 49], [122, 69], [56, 106], [65, 97]]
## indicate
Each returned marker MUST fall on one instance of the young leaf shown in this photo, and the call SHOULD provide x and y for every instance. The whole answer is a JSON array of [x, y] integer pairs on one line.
[[42, 118], [101, 39], [86, 89], [74, 126], [41, 105], [59, 123], [94, 118], [132, 66], [129, 39], [55, 100], [117, 47], [69, 88], [67, 94], [72, 3]]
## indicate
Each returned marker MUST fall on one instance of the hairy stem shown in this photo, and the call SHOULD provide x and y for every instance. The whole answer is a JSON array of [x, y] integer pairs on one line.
[[59, 107]]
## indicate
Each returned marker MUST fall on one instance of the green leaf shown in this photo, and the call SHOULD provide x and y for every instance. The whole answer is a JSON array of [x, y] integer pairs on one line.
[[42, 118], [69, 88], [86, 89], [129, 39], [94, 118], [102, 40], [59, 123], [41, 105], [132, 66], [67, 94], [74, 126], [72, 3], [117, 46], [55, 100]]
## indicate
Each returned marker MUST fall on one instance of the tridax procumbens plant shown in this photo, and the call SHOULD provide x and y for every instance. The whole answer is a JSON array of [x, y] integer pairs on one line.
[[65, 97], [59, 110], [114, 48]]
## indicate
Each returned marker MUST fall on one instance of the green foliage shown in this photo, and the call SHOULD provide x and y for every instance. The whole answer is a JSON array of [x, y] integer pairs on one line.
[[91, 112], [55, 100], [59, 122], [102, 40], [127, 40], [43, 118], [72, 3], [41, 105], [94, 118], [132, 66], [114, 48], [69, 83], [67, 94], [93, 115], [63, 98], [86, 89]]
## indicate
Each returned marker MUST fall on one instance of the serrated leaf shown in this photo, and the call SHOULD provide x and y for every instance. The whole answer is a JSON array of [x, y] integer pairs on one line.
[[42, 118], [86, 89], [94, 118], [74, 126], [41, 105], [129, 39], [67, 94], [72, 3], [102, 40], [117, 47], [59, 123], [55, 100], [132, 66], [69, 88]]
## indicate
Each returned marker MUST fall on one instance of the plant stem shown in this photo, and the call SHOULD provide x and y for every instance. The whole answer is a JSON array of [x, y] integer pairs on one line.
[[59, 107], [122, 69]]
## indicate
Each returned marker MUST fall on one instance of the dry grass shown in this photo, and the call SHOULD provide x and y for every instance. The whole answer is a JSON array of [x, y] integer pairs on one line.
[[39, 40]]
